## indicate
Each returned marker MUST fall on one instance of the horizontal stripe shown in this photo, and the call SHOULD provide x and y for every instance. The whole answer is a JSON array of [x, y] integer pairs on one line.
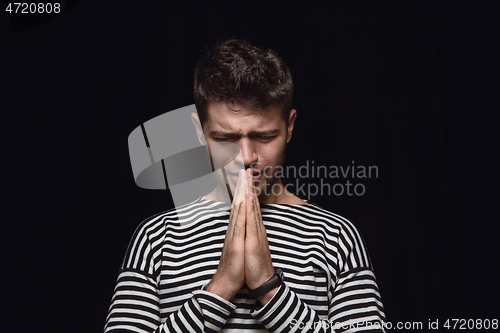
[[172, 255]]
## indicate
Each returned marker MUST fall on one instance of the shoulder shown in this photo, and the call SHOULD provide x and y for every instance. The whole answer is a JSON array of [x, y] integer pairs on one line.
[[337, 229], [312, 214], [349, 232], [352, 248], [182, 215], [150, 233]]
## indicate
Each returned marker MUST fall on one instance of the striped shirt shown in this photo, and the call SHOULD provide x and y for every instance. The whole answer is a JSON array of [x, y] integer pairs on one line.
[[329, 283]]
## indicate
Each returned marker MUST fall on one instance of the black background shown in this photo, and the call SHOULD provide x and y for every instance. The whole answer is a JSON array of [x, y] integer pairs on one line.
[[411, 87]]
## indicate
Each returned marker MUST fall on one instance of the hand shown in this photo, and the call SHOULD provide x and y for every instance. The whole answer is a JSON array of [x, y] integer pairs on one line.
[[230, 274], [258, 265]]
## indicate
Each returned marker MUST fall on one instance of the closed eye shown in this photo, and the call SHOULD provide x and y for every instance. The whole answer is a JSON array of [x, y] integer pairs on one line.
[[220, 139], [255, 136], [265, 137]]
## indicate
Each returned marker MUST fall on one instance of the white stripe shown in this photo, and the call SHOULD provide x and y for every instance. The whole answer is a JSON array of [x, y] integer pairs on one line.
[[327, 236]]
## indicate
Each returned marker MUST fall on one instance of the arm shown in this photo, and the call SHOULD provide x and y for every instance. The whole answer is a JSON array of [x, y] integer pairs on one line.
[[355, 307], [135, 306], [136, 303], [354, 302]]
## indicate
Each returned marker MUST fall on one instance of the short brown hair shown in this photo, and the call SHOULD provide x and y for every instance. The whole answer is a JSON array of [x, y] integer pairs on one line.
[[236, 71]]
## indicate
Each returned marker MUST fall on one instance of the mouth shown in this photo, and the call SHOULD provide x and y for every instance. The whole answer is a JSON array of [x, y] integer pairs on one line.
[[256, 177]]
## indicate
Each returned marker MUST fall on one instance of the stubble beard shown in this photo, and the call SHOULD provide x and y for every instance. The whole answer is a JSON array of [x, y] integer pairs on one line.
[[266, 189]]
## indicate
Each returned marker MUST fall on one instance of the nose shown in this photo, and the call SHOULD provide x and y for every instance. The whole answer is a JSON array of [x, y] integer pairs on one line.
[[248, 152]]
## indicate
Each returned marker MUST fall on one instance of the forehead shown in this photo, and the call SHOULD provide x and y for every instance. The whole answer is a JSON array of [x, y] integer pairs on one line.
[[235, 117]]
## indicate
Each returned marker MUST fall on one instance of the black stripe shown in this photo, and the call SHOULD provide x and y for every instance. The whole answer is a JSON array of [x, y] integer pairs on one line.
[[312, 272]]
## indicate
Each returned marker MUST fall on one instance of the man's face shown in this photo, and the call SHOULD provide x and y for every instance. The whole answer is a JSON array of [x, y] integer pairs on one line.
[[262, 137]]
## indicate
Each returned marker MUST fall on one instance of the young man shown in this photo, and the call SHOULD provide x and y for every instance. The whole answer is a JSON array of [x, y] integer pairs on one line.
[[270, 261]]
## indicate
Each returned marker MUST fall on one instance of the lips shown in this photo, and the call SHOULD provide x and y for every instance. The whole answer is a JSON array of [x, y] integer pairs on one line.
[[256, 177]]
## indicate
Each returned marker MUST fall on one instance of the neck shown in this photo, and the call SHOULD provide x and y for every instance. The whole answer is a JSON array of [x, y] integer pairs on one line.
[[278, 194]]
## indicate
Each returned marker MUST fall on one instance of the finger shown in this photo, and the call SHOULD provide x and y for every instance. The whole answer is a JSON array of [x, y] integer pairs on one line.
[[252, 230], [242, 184], [257, 215], [237, 189], [233, 216], [256, 201], [250, 187], [249, 175], [256, 208], [235, 206], [239, 226]]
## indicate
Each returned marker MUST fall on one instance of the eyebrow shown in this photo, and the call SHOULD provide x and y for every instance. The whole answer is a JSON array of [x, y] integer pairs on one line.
[[232, 134]]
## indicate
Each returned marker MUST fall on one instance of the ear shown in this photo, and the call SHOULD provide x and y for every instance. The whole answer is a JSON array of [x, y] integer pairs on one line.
[[291, 123], [199, 130]]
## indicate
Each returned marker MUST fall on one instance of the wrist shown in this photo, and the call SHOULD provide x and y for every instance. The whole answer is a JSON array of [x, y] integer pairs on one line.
[[264, 299], [262, 279], [267, 290], [220, 290]]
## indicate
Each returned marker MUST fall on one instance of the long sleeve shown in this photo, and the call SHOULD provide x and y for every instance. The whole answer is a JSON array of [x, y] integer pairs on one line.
[[329, 282], [135, 308], [354, 299], [135, 305], [354, 308]]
